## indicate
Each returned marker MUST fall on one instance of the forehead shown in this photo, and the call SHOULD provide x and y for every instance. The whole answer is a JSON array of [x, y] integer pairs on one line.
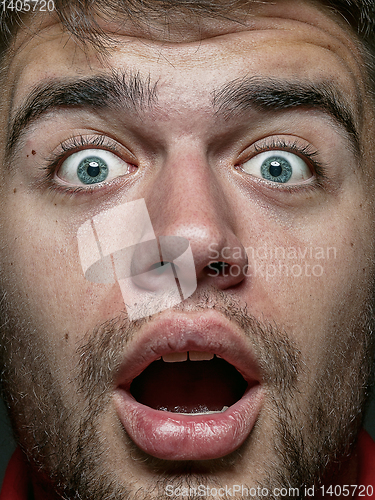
[[192, 60], [277, 36]]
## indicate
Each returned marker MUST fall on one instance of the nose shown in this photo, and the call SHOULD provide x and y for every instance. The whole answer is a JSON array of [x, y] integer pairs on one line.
[[188, 200]]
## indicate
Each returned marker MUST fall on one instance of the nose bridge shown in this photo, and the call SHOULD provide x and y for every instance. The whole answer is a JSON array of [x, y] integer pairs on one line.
[[188, 200]]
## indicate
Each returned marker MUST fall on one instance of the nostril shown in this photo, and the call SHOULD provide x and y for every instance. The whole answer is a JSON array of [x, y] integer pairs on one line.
[[218, 268], [160, 267]]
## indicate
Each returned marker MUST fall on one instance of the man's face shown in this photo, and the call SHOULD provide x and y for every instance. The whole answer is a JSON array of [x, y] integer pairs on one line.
[[240, 138]]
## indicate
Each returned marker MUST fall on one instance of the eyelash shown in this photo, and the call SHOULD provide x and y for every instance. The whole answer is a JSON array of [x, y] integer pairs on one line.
[[69, 147], [77, 143], [306, 152]]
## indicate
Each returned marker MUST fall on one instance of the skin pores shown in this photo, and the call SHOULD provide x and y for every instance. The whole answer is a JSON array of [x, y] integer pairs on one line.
[[190, 144]]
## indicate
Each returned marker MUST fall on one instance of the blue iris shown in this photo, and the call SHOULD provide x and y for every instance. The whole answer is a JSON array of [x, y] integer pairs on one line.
[[276, 169], [92, 170]]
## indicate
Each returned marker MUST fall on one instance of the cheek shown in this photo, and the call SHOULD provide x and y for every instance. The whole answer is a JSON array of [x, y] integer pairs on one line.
[[42, 272], [314, 274], [328, 299]]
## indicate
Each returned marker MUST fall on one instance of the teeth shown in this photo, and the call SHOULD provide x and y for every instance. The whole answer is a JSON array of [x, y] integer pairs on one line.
[[224, 408], [200, 356], [174, 357], [205, 412]]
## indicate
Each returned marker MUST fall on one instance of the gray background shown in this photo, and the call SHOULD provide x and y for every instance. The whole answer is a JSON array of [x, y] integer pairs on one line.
[[7, 444]]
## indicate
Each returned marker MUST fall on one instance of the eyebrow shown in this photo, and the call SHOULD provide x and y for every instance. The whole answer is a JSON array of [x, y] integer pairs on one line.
[[269, 94], [134, 92], [100, 91]]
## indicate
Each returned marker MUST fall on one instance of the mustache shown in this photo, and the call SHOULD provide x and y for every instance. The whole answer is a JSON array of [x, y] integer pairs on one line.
[[101, 353]]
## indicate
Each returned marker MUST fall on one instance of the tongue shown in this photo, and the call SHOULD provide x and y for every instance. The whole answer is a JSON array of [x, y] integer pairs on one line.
[[189, 386]]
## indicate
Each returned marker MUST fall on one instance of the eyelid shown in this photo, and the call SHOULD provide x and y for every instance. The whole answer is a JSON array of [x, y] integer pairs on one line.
[[79, 143], [97, 141], [299, 147]]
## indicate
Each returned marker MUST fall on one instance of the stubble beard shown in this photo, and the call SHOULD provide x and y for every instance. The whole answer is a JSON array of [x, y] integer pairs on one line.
[[70, 453]]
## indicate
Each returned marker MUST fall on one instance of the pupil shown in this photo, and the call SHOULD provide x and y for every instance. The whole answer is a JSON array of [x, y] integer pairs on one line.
[[275, 169], [93, 169]]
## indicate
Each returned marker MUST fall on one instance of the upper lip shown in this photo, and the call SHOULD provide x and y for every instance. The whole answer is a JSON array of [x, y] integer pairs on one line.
[[173, 331]]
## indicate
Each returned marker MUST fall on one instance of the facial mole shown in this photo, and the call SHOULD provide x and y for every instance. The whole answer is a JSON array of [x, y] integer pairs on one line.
[[33, 152], [67, 336], [15, 190]]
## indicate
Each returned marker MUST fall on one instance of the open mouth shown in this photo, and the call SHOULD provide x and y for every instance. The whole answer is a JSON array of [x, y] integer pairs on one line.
[[191, 382], [189, 388]]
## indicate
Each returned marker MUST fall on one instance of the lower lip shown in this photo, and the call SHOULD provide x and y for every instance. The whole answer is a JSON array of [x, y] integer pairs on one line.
[[174, 436]]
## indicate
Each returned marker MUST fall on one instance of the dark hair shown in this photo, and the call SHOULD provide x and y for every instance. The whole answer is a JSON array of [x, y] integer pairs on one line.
[[78, 17]]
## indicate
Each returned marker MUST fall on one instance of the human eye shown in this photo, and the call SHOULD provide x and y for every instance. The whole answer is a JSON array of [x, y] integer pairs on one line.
[[92, 166], [85, 162], [282, 163], [278, 166]]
